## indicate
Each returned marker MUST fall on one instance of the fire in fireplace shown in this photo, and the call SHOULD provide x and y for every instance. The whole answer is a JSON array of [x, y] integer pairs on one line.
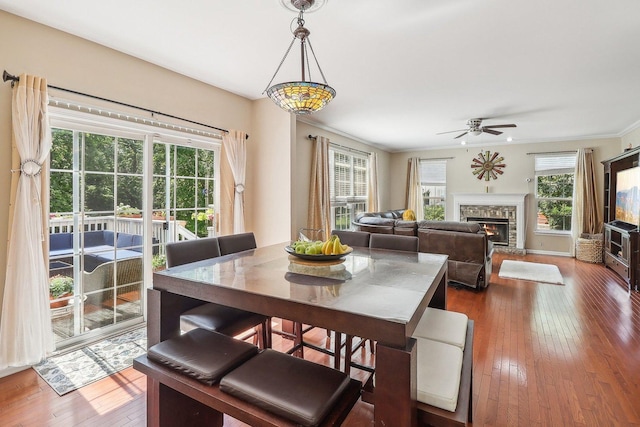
[[497, 229]]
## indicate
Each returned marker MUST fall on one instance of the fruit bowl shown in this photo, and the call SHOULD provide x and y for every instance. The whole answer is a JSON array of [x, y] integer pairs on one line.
[[319, 257]]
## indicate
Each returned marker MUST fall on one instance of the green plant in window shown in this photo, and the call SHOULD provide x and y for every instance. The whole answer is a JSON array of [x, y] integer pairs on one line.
[[126, 210], [434, 212], [158, 262], [60, 285], [557, 212]]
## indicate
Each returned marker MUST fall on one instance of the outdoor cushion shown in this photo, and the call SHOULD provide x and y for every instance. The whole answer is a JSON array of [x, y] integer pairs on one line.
[[203, 355], [116, 255], [439, 371], [60, 241], [124, 240]]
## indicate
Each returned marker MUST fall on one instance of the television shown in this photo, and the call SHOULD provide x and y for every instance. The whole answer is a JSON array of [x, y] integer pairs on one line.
[[628, 196]]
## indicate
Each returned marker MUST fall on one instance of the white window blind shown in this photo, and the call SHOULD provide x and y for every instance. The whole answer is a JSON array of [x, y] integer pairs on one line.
[[551, 164], [433, 172], [348, 177]]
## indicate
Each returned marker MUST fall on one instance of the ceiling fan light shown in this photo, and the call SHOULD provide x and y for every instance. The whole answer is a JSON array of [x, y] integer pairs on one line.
[[475, 132], [301, 97]]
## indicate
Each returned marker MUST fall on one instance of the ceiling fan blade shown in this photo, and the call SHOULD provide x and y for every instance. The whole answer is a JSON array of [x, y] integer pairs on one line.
[[462, 134], [491, 131], [451, 131], [501, 126]]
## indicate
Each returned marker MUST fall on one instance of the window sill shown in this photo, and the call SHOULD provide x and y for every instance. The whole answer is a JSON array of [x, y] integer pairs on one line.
[[553, 233]]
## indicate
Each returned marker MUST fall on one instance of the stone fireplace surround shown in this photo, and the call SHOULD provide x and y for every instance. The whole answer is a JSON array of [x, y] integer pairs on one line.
[[495, 205]]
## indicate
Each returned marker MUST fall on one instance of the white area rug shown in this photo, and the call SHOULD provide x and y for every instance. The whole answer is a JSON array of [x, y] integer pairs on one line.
[[70, 371], [545, 273]]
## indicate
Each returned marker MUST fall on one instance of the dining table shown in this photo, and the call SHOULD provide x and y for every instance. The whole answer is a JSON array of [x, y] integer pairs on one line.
[[370, 293]]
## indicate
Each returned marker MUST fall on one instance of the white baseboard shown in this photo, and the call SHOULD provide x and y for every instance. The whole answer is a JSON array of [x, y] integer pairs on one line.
[[10, 371], [538, 252]]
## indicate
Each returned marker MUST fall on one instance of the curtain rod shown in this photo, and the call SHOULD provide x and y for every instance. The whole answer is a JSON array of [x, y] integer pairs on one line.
[[9, 77], [343, 146], [556, 152], [437, 158]]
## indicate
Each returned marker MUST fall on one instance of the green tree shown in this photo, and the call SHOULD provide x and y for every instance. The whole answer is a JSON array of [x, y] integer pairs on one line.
[[558, 211], [61, 191], [434, 212]]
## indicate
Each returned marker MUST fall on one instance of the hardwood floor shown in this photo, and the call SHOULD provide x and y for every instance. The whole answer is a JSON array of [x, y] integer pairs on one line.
[[544, 355]]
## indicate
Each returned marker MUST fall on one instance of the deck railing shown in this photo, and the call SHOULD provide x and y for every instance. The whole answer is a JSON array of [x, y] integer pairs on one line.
[[123, 224]]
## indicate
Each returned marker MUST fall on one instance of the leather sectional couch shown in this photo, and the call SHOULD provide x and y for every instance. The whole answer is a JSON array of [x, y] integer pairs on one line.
[[466, 243]]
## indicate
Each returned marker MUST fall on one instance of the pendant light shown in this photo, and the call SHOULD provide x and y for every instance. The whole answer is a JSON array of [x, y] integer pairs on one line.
[[304, 96]]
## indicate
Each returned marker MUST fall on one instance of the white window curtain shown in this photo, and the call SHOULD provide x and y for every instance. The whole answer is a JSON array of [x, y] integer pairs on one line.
[[373, 198], [414, 189], [586, 212], [26, 337], [235, 148], [319, 216]]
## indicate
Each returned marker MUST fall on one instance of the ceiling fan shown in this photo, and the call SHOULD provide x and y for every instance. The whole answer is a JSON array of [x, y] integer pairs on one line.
[[476, 128]]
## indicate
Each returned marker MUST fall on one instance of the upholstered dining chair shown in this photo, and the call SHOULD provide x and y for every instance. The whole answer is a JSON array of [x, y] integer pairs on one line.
[[353, 238], [394, 242], [233, 243], [210, 316]]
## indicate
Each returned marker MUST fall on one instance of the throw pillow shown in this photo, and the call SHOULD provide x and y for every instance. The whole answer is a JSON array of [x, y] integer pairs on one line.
[[409, 215]]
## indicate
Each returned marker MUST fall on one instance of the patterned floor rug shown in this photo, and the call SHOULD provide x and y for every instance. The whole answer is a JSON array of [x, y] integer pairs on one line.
[[70, 371], [535, 272]]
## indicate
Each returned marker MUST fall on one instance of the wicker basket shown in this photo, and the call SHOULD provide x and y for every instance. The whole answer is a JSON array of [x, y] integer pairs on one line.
[[589, 248]]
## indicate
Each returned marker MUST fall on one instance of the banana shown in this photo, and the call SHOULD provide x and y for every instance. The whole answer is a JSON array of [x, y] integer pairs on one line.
[[329, 246], [324, 247], [337, 246]]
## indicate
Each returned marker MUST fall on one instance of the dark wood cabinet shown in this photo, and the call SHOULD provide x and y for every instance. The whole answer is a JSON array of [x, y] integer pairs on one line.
[[621, 240]]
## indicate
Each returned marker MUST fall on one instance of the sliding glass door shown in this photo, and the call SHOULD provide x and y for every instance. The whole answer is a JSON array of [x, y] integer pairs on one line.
[[96, 240], [118, 193]]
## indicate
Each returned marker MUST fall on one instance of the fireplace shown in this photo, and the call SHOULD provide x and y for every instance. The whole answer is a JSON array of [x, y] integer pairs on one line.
[[509, 207], [497, 229]]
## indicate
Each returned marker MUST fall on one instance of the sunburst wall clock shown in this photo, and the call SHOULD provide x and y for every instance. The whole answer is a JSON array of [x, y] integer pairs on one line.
[[487, 165]]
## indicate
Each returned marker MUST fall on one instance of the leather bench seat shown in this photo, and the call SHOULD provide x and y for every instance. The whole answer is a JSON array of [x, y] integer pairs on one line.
[[203, 355], [213, 317], [449, 327], [438, 373], [293, 388]]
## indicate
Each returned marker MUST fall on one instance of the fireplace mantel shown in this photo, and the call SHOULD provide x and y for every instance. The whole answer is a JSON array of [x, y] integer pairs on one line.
[[516, 200]]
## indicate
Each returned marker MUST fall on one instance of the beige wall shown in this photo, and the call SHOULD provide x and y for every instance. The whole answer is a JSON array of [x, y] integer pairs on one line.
[[302, 166], [270, 160], [514, 180], [631, 139]]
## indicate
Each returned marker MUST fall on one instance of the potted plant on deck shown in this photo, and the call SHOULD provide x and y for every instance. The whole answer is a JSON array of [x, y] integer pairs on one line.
[[60, 287]]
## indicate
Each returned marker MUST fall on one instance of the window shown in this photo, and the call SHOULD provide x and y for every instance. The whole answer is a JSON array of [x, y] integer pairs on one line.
[[348, 177], [554, 191], [433, 179]]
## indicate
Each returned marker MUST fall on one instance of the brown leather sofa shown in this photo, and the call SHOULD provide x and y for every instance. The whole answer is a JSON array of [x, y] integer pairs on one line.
[[387, 222], [466, 243]]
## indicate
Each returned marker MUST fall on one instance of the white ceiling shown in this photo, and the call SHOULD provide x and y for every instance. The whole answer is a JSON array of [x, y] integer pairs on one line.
[[403, 70]]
